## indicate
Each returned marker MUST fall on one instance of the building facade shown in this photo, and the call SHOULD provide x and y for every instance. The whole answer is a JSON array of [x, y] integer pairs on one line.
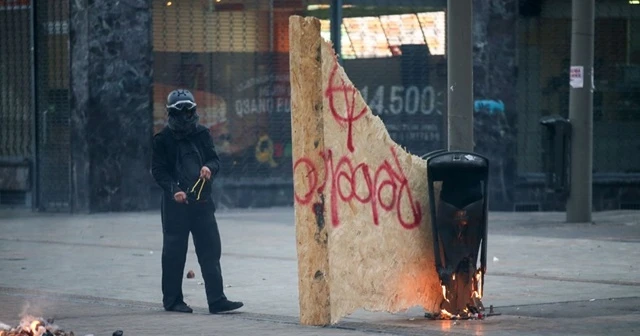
[[83, 88]]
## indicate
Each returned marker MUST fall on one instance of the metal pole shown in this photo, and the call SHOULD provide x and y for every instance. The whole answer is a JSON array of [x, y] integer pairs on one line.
[[271, 23], [581, 111], [336, 24], [33, 25], [460, 74]]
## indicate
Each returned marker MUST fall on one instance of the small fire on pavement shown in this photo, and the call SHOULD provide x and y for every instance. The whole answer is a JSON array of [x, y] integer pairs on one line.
[[33, 326], [462, 298]]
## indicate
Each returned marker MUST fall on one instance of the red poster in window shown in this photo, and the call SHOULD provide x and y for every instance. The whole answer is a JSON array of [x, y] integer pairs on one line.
[[14, 4]]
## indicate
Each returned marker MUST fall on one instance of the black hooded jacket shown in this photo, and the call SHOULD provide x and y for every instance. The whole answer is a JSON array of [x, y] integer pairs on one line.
[[176, 161]]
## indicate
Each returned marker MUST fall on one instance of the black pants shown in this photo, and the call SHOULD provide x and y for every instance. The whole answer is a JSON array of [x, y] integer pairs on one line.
[[178, 220]]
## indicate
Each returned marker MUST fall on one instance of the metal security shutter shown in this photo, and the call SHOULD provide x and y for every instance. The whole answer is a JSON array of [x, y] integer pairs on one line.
[[16, 117], [53, 105]]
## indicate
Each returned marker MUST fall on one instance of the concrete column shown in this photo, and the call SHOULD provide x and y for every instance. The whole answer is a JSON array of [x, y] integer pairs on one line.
[[581, 111], [111, 104]]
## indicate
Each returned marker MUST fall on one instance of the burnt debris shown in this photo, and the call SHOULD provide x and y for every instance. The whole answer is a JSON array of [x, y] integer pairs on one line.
[[30, 326]]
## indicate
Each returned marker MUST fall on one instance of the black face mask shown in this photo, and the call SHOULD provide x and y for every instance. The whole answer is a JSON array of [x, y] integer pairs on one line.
[[183, 117]]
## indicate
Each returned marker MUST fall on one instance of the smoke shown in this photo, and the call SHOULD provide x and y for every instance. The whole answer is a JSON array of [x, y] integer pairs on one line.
[[31, 309]]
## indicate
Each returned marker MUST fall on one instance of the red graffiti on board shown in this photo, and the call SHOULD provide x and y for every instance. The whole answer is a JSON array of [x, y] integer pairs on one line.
[[337, 88], [384, 188], [345, 179]]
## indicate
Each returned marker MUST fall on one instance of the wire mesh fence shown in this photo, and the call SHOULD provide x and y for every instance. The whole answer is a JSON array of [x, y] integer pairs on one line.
[[15, 82], [544, 61], [543, 83], [34, 104], [52, 94], [234, 55], [16, 131]]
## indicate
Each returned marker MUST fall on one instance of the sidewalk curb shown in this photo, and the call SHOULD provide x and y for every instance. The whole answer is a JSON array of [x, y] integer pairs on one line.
[[278, 319]]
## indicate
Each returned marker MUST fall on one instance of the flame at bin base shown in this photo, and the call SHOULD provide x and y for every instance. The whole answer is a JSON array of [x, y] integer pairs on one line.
[[462, 294], [461, 232], [445, 315]]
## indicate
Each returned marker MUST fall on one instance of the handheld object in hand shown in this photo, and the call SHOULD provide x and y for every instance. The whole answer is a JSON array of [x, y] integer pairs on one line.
[[196, 191]]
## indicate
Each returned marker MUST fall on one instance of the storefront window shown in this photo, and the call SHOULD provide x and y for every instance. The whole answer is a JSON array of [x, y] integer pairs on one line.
[[234, 56], [545, 57]]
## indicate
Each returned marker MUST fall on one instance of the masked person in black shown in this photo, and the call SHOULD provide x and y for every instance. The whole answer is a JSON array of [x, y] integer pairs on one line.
[[183, 164]]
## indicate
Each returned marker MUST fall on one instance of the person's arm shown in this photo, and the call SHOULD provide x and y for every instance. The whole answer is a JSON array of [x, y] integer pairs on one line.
[[160, 168], [212, 161]]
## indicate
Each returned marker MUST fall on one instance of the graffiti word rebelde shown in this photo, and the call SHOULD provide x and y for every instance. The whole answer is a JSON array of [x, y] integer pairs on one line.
[[383, 188]]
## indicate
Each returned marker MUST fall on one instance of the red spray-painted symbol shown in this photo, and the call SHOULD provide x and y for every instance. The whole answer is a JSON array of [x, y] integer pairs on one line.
[[336, 88]]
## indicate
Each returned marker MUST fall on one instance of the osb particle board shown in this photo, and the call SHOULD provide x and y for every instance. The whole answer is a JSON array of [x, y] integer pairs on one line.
[[377, 211], [308, 140], [362, 224]]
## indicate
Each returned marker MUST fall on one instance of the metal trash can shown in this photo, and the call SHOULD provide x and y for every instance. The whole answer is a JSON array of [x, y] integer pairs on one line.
[[557, 153], [458, 210]]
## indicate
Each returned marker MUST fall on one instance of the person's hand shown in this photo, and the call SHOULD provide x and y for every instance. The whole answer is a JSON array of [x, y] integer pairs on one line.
[[205, 172], [180, 197]]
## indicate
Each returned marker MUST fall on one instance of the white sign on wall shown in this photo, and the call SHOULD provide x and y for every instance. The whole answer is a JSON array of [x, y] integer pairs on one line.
[[576, 76]]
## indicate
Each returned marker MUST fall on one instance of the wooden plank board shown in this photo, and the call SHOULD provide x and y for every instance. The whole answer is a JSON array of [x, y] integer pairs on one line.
[[370, 194]]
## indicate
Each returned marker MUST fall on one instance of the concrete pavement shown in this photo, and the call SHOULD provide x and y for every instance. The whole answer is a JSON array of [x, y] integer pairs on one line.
[[546, 277], [97, 316]]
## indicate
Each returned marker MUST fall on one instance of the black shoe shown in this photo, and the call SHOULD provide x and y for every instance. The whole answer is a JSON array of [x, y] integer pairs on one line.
[[224, 306], [180, 308]]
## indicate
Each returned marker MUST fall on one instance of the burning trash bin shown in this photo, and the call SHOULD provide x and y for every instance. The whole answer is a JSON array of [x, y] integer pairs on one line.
[[459, 221]]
